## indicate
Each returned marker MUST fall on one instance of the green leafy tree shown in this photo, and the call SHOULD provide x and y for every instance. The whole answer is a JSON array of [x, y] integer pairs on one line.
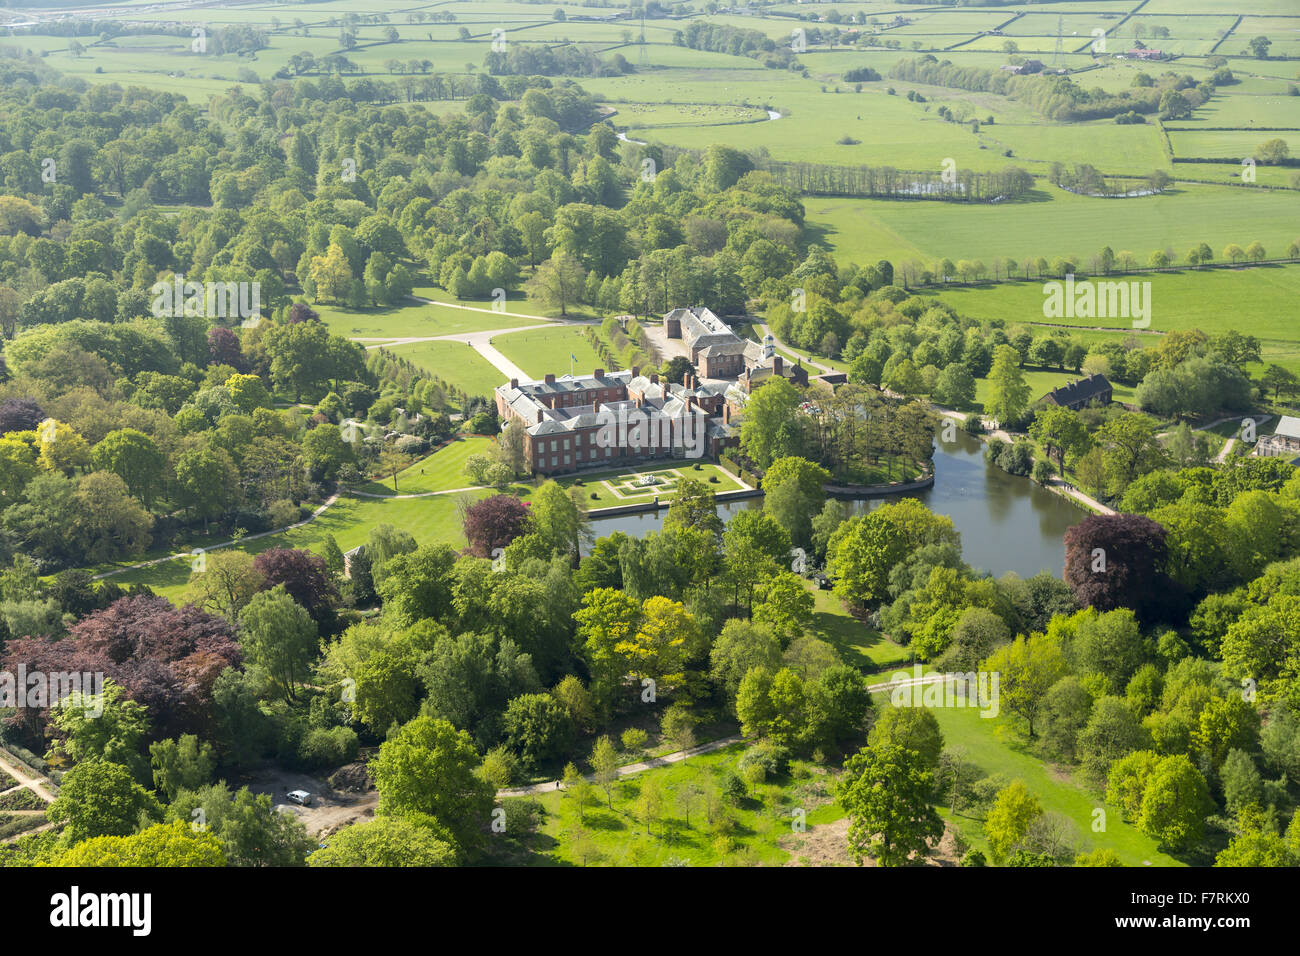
[[384, 841], [886, 792], [1009, 393], [429, 767], [1175, 803], [280, 636], [99, 798], [1008, 821]]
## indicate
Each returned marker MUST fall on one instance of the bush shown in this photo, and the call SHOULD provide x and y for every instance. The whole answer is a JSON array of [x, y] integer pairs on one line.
[[771, 757], [320, 748], [1042, 472], [732, 788], [522, 815], [634, 739], [282, 513]]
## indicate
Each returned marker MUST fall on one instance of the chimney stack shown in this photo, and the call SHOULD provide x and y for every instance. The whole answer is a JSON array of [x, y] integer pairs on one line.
[[595, 406], [777, 364], [636, 370], [514, 383], [550, 379], [600, 373], [726, 413]]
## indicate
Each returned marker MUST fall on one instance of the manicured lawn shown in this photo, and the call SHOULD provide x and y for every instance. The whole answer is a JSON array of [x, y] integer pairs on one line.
[[613, 488], [429, 520], [442, 470], [548, 351], [456, 363], [409, 321], [994, 746], [864, 648]]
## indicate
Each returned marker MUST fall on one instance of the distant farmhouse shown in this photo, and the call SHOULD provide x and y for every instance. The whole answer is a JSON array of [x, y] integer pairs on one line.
[[1081, 393], [615, 418], [1029, 66], [1144, 54]]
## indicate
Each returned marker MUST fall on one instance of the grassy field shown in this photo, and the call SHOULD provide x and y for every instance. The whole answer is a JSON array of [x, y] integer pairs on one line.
[[759, 831], [1057, 224], [1041, 382], [859, 645], [349, 520], [1213, 300], [995, 748], [442, 470], [548, 351], [456, 363], [412, 321]]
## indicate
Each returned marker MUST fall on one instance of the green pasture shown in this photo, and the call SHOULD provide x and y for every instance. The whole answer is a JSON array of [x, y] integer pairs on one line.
[[1213, 300], [1233, 144], [1054, 223]]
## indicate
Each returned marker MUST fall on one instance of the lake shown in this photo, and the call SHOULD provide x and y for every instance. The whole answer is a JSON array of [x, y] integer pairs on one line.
[[1007, 523]]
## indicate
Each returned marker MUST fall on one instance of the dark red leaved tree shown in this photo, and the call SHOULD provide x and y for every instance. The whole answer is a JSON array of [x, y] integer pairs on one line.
[[494, 522]]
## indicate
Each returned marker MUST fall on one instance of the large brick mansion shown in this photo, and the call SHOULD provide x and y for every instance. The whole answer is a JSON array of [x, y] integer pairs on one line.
[[577, 422]]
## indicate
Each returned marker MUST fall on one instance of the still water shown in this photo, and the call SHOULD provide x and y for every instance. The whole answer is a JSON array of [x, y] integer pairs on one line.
[[1007, 523]]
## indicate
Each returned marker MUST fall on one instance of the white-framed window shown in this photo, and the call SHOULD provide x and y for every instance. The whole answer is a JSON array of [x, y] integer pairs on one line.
[[566, 459]]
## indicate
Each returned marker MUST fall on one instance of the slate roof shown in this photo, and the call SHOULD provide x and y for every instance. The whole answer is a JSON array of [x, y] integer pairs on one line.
[[1084, 390]]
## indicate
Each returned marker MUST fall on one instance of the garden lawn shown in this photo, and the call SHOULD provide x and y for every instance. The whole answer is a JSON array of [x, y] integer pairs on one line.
[[623, 481], [860, 646], [548, 351], [410, 321], [441, 470], [996, 748], [456, 363]]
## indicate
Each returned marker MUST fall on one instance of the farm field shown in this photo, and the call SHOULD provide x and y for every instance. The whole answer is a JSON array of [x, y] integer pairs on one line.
[[1059, 224], [1213, 300]]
